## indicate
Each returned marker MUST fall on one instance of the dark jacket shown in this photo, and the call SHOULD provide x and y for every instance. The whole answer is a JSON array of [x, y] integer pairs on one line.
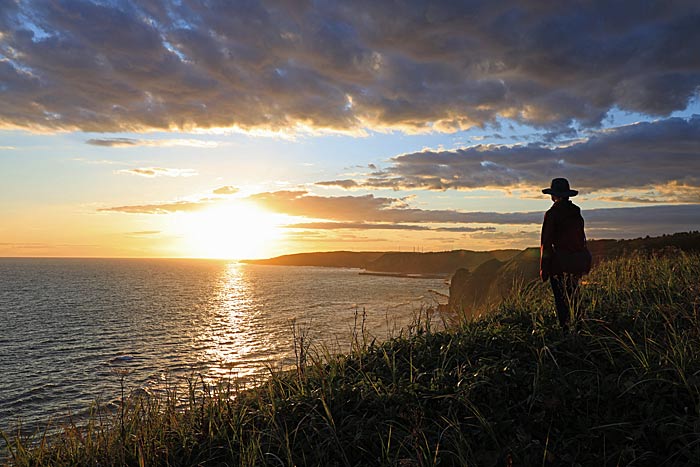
[[562, 234]]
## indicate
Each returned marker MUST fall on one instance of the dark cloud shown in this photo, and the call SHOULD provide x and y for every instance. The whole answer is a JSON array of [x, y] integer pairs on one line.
[[663, 154], [113, 142], [354, 226], [445, 65], [226, 190], [518, 236], [346, 184], [381, 226], [683, 217]]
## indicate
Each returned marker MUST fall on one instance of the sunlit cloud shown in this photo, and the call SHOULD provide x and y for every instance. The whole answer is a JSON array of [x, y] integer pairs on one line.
[[26, 245], [41, 245], [226, 190], [143, 233], [161, 208], [131, 142], [340, 67], [370, 213], [152, 172], [671, 193], [96, 162]]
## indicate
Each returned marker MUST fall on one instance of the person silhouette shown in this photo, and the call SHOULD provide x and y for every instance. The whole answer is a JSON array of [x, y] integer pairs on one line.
[[564, 256]]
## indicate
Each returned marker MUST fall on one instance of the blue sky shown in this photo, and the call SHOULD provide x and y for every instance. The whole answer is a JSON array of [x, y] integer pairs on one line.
[[376, 126]]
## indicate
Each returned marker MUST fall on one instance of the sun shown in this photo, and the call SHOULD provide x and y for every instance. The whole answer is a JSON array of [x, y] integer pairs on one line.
[[237, 230]]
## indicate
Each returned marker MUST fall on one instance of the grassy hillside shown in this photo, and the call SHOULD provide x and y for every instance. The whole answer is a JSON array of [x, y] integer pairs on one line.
[[474, 290], [509, 389]]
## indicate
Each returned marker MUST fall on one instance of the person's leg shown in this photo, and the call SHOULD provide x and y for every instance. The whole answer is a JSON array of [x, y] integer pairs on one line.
[[572, 293], [561, 300]]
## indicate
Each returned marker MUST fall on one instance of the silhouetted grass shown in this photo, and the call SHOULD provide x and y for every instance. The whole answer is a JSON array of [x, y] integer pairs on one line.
[[507, 389]]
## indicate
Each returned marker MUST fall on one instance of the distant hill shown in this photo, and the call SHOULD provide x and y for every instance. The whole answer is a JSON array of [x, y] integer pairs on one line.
[[338, 259], [432, 263], [472, 290]]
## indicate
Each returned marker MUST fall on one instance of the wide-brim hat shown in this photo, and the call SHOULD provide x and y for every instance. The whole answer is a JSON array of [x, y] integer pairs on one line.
[[560, 187]]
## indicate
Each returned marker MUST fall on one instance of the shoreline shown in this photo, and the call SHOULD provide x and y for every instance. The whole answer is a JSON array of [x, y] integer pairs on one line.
[[404, 274]]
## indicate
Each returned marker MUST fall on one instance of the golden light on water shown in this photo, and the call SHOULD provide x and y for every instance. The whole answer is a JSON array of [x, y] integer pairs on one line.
[[235, 231], [228, 339]]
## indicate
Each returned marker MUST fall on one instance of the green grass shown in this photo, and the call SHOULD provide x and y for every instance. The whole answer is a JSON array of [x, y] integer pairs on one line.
[[507, 389]]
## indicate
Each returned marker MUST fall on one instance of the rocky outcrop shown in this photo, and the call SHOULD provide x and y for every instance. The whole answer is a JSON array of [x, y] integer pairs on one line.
[[471, 292]]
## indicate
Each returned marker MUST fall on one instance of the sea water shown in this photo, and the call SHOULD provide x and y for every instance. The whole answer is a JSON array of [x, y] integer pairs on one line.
[[72, 331]]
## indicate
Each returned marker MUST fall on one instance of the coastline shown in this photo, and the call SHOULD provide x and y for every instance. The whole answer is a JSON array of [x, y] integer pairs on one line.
[[404, 275]]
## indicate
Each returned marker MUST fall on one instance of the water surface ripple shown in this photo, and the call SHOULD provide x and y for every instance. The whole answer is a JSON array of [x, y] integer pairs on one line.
[[68, 327]]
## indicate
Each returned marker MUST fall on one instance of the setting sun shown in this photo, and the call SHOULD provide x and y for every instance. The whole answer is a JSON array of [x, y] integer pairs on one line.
[[233, 231]]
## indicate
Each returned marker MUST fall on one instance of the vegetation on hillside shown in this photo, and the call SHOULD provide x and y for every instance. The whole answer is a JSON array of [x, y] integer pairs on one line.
[[507, 389], [472, 291]]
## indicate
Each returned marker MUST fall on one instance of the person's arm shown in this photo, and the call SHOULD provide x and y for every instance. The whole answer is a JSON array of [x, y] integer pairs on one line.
[[546, 248]]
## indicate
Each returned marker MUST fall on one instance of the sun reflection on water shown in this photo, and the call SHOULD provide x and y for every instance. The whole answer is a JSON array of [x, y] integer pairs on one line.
[[235, 343]]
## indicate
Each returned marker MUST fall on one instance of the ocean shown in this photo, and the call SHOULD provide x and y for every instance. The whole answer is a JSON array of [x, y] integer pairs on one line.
[[72, 330]]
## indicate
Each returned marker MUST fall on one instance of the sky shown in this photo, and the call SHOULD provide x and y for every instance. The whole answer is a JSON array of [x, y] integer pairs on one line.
[[246, 129]]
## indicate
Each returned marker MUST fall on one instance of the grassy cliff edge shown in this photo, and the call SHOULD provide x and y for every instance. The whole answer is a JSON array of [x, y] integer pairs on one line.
[[506, 389]]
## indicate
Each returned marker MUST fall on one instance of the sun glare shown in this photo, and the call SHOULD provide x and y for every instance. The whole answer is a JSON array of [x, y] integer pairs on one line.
[[236, 231]]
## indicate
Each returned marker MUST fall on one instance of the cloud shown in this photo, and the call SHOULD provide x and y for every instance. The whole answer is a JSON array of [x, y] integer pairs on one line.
[[381, 226], [152, 172], [41, 246], [163, 65], [346, 184], [661, 155], [518, 236], [162, 208], [143, 233], [370, 209], [26, 245], [672, 192], [131, 142], [377, 213], [226, 190]]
